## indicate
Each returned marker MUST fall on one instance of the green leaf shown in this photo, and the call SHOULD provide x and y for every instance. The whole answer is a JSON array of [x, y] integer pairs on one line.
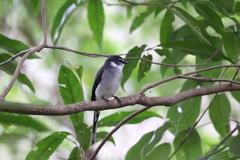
[[198, 29], [236, 94], [161, 152], [61, 18], [219, 113], [139, 19], [14, 46], [237, 8], [213, 74], [234, 145], [79, 71], [211, 17], [47, 146], [196, 48], [184, 114], [149, 147], [83, 134], [133, 152], [224, 6], [182, 33], [35, 5], [129, 11], [231, 43], [191, 149], [166, 28], [102, 135], [75, 154], [114, 119], [144, 67], [22, 120], [163, 69], [173, 57], [10, 68], [96, 20], [128, 69], [70, 90]]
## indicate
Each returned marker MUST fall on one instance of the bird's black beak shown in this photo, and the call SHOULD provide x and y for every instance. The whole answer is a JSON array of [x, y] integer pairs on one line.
[[125, 62]]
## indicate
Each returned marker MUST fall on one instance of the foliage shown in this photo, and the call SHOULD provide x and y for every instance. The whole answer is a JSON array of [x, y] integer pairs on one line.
[[177, 33]]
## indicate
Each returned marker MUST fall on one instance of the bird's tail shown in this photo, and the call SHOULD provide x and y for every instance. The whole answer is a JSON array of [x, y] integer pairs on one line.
[[94, 128]]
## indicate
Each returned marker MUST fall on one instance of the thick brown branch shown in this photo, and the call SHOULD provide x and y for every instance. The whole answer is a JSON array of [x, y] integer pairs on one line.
[[113, 104]]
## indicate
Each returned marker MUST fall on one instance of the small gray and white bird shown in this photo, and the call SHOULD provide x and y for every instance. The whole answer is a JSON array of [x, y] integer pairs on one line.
[[106, 84]]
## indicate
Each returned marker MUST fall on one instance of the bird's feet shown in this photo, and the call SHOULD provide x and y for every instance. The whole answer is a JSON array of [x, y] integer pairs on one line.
[[105, 99], [119, 101]]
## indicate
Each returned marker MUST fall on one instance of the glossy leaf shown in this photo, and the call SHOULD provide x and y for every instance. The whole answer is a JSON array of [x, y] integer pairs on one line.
[[191, 149], [114, 119], [231, 43], [102, 135], [172, 57], [14, 46], [166, 28], [160, 152], [144, 67], [61, 18], [196, 48], [184, 114], [133, 152], [140, 19], [70, 90], [197, 28], [83, 134], [128, 69], [10, 68], [236, 94], [213, 74], [75, 154], [211, 17], [149, 147], [47, 146], [222, 6], [22, 120], [234, 145], [219, 113], [182, 33], [129, 11], [96, 19], [35, 5], [79, 71]]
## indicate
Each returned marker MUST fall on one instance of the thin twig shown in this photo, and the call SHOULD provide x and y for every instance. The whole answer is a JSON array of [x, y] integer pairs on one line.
[[208, 79], [186, 74], [235, 74], [15, 56], [17, 71], [115, 129]]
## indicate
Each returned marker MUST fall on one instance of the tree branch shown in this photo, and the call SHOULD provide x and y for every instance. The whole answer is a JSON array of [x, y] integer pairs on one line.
[[17, 71], [33, 109], [183, 75]]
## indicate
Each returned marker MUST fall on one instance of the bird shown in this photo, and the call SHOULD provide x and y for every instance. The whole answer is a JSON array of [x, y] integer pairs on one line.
[[106, 84]]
